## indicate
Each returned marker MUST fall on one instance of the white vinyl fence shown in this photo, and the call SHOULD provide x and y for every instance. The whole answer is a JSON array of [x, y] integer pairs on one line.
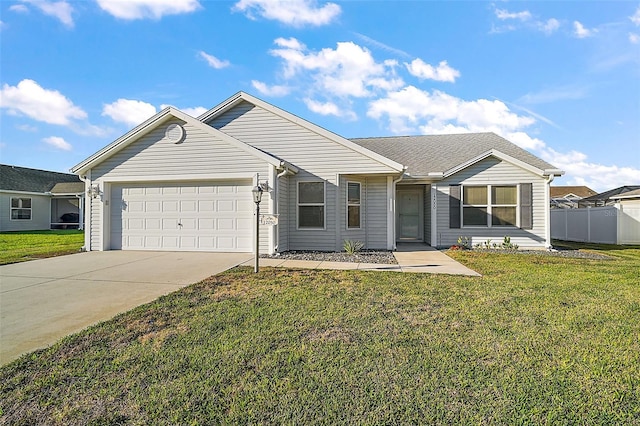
[[618, 224]]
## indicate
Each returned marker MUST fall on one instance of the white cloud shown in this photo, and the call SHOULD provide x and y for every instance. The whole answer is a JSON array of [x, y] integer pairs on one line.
[[422, 70], [580, 31], [27, 128], [213, 61], [297, 13], [58, 143], [634, 38], [503, 14], [579, 171], [129, 111], [30, 99], [555, 94], [61, 10], [141, 9], [194, 111], [19, 8], [635, 18], [347, 70], [383, 46], [329, 108], [549, 27], [274, 90], [411, 110]]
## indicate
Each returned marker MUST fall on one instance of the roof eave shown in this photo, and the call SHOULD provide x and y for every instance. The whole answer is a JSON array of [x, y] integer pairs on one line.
[[502, 156]]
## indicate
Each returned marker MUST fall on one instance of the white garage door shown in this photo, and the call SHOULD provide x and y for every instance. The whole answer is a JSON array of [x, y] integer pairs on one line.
[[198, 216]]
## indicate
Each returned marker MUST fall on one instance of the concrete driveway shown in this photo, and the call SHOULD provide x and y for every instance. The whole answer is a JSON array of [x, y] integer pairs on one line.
[[44, 300]]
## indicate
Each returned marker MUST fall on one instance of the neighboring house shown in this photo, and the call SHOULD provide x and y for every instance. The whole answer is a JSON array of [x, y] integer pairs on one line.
[[607, 198], [33, 199], [567, 197], [180, 183]]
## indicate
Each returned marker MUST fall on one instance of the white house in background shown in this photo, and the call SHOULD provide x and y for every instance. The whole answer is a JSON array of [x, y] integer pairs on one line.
[[32, 199], [180, 183]]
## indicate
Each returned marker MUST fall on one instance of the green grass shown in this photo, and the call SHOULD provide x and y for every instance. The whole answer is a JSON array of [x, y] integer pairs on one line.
[[28, 245], [536, 340]]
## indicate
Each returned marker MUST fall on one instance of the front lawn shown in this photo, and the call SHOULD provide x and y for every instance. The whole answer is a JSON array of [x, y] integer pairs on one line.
[[536, 340], [28, 245]]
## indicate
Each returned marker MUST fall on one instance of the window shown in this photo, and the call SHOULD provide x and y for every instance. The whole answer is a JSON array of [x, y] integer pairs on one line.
[[353, 205], [311, 205], [20, 208], [504, 205], [489, 205]]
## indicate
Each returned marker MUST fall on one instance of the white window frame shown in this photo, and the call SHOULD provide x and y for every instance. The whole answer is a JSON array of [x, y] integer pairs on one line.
[[489, 206], [11, 208], [358, 204], [323, 204]]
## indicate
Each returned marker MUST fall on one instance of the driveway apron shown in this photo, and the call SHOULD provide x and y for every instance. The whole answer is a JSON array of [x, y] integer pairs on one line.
[[44, 300]]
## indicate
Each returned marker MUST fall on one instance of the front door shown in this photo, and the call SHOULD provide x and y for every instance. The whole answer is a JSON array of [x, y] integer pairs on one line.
[[410, 215]]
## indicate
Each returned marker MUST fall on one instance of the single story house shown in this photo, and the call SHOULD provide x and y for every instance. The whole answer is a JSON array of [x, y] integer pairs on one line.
[[607, 198], [568, 197], [32, 199], [181, 183]]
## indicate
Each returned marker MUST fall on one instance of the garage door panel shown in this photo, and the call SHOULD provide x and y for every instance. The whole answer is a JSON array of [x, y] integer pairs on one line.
[[211, 216]]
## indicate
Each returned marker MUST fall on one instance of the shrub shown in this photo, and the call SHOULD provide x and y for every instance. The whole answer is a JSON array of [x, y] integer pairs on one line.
[[351, 246]]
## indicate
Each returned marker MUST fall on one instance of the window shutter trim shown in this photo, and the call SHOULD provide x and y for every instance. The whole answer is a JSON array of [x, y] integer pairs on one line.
[[454, 206], [526, 206]]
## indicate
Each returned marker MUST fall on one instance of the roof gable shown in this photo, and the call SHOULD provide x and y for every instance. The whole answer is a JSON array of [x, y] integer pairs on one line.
[[245, 97], [441, 155], [157, 120], [14, 178]]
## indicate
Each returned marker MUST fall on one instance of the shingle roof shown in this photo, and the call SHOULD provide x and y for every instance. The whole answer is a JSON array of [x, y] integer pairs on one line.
[[629, 194], [68, 188], [563, 191], [439, 153], [608, 194], [14, 178]]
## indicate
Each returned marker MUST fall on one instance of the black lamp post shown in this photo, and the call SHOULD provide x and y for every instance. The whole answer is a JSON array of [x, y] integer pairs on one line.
[[257, 197]]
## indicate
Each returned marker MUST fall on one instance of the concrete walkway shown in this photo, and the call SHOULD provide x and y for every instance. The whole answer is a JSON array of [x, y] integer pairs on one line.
[[44, 300], [411, 257]]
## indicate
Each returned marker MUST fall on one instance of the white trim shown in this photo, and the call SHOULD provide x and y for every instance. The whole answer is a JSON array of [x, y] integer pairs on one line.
[[105, 220], [547, 212], [489, 206], [87, 211], [242, 96], [434, 215], [11, 209], [390, 213], [497, 154], [9, 191], [273, 208], [181, 178], [324, 205], [346, 224]]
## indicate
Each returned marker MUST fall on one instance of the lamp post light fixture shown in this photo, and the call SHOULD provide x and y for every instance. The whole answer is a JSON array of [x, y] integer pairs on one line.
[[257, 197]]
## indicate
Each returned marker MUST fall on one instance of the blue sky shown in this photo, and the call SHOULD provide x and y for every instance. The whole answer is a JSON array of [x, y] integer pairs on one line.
[[561, 79]]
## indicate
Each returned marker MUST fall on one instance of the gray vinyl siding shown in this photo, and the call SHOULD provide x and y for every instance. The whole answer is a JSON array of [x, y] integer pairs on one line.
[[376, 212], [294, 143], [373, 212], [283, 214], [495, 172], [427, 214], [199, 153], [40, 213], [318, 159]]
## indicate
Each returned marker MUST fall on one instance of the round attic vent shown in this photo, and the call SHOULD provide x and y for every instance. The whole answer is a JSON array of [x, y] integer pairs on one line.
[[174, 133]]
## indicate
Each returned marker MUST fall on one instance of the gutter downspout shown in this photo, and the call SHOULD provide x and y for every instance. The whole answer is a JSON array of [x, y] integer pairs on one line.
[[547, 213], [392, 207], [276, 209]]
